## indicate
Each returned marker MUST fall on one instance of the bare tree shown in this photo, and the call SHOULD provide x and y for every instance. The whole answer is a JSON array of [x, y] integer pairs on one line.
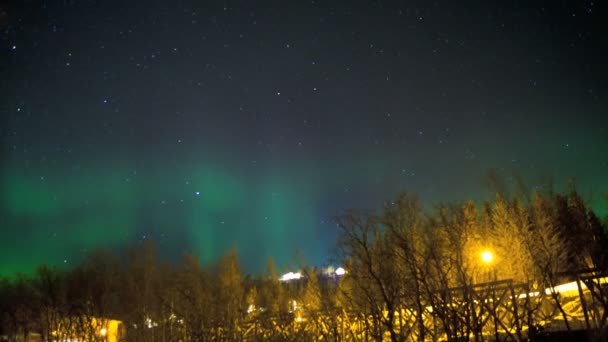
[[376, 287], [406, 230], [143, 306], [50, 287], [192, 300], [230, 298]]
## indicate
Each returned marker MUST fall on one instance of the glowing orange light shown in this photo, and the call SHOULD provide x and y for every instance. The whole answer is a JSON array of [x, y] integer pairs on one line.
[[487, 257]]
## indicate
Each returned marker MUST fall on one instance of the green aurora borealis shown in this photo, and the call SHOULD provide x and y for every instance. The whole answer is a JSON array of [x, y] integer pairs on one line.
[[284, 213], [110, 207]]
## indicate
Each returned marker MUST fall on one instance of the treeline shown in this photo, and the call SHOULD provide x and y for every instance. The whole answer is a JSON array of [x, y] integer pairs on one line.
[[412, 274]]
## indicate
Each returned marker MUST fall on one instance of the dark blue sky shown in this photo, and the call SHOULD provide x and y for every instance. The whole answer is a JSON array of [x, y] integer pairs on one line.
[[209, 125]]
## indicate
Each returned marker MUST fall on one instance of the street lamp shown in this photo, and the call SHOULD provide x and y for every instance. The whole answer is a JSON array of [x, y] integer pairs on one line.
[[487, 257]]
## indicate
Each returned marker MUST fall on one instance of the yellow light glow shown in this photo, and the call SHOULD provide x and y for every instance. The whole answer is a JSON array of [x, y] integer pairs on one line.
[[103, 331], [487, 257]]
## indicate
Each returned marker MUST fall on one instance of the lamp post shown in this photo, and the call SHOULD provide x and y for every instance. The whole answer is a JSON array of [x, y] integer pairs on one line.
[[487, 257]]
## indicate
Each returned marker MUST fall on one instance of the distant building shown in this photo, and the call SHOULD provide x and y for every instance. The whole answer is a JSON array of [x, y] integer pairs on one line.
[[90, 329], [78, 328]]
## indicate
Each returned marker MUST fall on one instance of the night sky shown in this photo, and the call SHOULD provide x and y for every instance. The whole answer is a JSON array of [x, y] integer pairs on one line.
[[207, 125]]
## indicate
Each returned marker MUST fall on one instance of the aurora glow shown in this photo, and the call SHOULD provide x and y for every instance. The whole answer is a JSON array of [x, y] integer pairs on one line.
[[207, 127]]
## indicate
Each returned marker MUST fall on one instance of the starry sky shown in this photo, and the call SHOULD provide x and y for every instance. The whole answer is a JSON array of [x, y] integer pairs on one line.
[[208, 125]]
